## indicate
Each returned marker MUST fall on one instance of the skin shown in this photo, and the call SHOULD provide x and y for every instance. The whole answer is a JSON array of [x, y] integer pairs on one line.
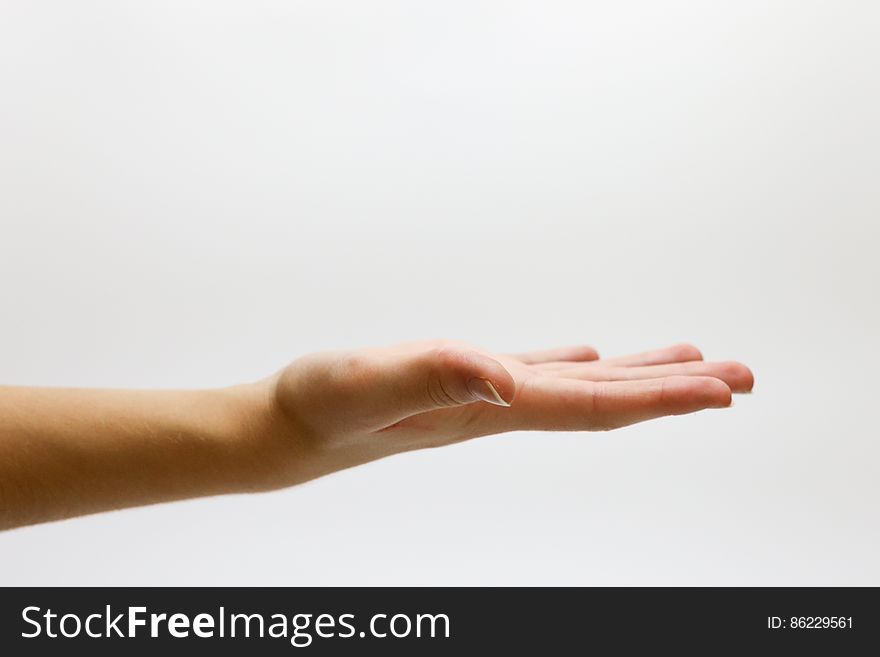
[[69, 452]]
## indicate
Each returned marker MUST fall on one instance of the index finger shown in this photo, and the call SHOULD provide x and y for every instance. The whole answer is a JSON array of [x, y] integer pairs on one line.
[[556, 404]]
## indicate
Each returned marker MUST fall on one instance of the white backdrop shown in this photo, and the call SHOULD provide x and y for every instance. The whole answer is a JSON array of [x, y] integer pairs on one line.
[[194, 193]]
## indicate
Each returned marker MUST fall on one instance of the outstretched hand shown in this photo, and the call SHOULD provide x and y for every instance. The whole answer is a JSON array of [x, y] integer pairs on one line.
[[355, 406], [66, 452]]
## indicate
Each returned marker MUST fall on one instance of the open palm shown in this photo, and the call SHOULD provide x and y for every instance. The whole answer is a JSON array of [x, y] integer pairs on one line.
[[364, 404]]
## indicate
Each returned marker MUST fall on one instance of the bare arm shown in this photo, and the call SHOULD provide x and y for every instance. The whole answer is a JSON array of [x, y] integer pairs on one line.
[[68, 452]]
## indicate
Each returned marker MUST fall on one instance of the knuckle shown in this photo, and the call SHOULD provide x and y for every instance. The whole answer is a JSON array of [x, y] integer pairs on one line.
[[447, 357], [446, 367], [438, 392], [598, 408]]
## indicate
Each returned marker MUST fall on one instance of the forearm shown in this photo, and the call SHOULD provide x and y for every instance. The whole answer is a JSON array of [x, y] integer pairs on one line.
[[66, 452]]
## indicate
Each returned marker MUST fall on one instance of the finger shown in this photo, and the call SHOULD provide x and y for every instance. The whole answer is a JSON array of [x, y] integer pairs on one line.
[[736, 375], [679, 353], [558, 404], [578, 353], [433, 379], [676, 354]]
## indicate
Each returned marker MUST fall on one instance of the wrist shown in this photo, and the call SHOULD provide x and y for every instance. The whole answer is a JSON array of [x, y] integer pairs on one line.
[[262, 447]]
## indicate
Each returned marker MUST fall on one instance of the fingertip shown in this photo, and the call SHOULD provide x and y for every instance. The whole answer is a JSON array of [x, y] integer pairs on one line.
[[501, 387], [750, 380], [487, 391], [685, 394], [725, 395], [685, 351], [737, 376], [484, 377], [585, 353], [503, 383], [716, 393], [575, 353]]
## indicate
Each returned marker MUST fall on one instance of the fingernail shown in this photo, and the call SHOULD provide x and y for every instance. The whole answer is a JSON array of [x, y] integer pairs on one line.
[[484, 389]]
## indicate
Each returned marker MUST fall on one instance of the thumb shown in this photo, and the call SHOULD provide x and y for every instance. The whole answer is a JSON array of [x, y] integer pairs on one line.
[[440, 378]]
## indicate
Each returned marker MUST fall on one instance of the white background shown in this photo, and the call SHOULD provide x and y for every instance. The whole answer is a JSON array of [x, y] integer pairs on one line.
[[194, 193]]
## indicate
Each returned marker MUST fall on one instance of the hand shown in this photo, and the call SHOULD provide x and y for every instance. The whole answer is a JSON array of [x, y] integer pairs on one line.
[[350, 407]]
